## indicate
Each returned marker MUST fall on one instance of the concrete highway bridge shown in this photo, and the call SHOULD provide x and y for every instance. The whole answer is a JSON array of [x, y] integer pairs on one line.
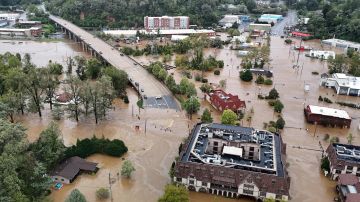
[[155, 94]]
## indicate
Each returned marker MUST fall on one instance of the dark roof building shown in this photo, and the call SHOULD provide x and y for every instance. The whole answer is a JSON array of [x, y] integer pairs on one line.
[[344, 159], [232, 161], [222, 101], [348, 187], [68, 170]]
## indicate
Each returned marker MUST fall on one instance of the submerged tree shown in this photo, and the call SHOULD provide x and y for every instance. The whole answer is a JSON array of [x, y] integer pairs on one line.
[[75, 196], [127, 168]]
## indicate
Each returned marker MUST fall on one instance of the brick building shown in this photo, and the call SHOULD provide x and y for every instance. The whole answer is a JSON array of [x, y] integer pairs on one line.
[[327, 116], [234, 161], [166, 22], [222, 101]]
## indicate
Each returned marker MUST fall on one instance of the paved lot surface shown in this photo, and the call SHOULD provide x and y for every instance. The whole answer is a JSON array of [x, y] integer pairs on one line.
[[143, 81], [164, 102], [289, 20]]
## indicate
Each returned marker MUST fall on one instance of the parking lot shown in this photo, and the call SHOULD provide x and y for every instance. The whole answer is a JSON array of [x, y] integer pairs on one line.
[[164, 102]]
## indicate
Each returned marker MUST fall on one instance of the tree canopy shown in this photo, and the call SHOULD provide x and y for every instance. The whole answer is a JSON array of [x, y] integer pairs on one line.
[[175, 193], [229, 117]]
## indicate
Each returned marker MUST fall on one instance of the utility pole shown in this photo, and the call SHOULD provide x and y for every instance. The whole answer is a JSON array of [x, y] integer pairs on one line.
[[132, 110], [145, 125], [111, 196]]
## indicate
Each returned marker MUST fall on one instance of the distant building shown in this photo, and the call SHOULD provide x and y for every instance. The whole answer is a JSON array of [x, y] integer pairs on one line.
[[164, 32], [343, 84], [270, 18], [9, 16], [178, 37], [28, 32], [67, 171], [344, 159], [241, 39], [262, 72], [327, 116], [322, 54], [234, 161], [166, 22], [343, 44], [222, 101], [348, 187], [229, 20], [259, 27], [28, 24]]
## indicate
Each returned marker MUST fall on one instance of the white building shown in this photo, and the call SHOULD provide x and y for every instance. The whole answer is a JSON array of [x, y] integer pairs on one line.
[[229, 20], [343, 84], [9, 16], [168, 32], [241, 39], [322, 54], [270, 18], [178, 37], [343, 44]]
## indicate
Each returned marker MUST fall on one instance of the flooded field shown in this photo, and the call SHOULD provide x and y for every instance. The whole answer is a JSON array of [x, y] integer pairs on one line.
[[153, 152]]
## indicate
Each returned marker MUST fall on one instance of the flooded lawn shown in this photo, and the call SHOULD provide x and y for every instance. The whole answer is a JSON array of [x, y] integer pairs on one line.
[[152, 153]]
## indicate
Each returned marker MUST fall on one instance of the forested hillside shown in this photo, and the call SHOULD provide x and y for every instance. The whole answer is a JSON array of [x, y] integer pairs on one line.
[[339, 18], [130, 13]]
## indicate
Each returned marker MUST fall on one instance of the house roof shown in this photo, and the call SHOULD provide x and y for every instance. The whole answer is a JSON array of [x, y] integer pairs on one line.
[[329, 112], [72, 166], [347, 179], [352, 197], [64, 97]]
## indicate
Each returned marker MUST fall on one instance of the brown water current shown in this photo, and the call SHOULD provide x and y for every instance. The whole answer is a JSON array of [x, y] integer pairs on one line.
[[152, 153]]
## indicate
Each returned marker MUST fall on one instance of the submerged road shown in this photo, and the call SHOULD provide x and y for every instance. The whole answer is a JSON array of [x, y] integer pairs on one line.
[[148, 86]]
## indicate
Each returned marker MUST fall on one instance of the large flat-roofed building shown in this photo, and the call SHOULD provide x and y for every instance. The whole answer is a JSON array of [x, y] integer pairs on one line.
[[327, 116], [163, 32], [342, 44], [229, 20], [9, 16], [222, 101], [270, 18], [343, 84], [348, 187], [259, 27], [233, 161], [344, 159], [166, 22]]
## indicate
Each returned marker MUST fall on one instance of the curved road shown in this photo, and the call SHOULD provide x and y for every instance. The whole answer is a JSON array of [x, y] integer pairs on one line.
[[148, 85]]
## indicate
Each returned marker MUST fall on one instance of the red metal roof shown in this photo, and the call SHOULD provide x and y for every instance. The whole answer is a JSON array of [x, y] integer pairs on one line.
[[300, 34]]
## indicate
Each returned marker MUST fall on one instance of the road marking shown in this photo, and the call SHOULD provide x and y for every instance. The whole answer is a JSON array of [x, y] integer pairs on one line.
[[166, 102]]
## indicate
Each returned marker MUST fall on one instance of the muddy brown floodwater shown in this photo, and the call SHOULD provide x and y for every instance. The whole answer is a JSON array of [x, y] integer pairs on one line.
[[153, 152]]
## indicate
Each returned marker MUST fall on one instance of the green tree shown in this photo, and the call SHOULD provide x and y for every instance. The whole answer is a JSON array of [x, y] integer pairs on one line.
[[57, 112], [102, 193], [93, 68], [49, 148], [338, 64], [15, 82], [325, 164], [260, 80], [34, 88], [246, 75], [49, 84], [206, 116], [191, 105], [119, 79], [280, 123], [278, 106], [80, 70], [75, 87], [229, 117], [75, 196], [127, 168], [174, 193], [273, 94], [171, 84]]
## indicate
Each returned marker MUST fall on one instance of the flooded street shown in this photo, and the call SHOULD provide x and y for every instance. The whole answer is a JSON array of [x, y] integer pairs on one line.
[[152, 153]]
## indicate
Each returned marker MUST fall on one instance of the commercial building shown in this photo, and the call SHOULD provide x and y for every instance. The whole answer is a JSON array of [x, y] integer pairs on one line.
[[234, 161], [166, 22], [29, 32], [270, 18], [343, 84], [68, 170], [28, 24], [348, 188], [229, 20], [222, 101], [327, 116], [324, 55], [259, 27], [344, 159], [9, 16], [343, 44], [168, 32]]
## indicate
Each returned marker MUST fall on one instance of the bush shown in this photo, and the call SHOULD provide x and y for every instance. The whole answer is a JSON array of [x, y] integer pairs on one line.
[[205, 88], [260, 80], [87, 147], [315, 73], [327, 100], [273, 94], [326, 137], [198, 77], [272, 129], [280, 123], [261, 97], [320, 98], [102, 193], [126, 99], [246, 76], [271, 103], [278, 106], [325, 164], [204, 80], [217, 72], [268, 82], [288, 41]]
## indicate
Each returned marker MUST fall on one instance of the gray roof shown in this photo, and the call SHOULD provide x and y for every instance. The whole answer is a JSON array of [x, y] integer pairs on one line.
[[72, 166]]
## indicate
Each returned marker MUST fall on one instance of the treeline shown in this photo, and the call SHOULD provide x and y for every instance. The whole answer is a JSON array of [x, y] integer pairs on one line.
[[349, 63], [336, 18], [25, 167], [130, 13], [26, 88], [18, 2]]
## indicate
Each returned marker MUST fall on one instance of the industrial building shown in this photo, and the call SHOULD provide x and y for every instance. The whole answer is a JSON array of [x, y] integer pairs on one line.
[[29, 32], [228, 20], [259, 27], [327, 116], [168, 32], [234, 161], [342, 44], [324, 55], [342, 83], [166, 22], [270, 18]]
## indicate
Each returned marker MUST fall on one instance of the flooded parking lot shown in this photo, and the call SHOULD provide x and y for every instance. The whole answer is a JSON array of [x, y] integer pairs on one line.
[[153, 152]]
